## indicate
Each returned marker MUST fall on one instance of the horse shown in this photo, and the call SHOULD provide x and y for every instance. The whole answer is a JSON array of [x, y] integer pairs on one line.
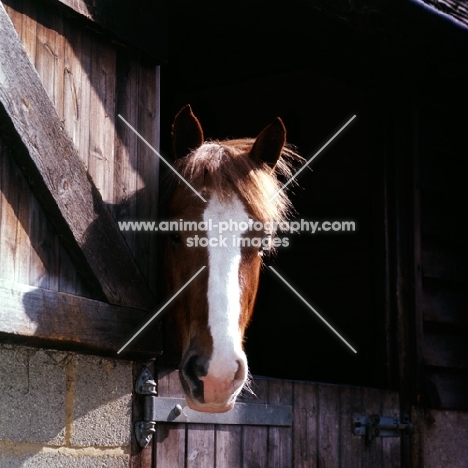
[[234, 183]]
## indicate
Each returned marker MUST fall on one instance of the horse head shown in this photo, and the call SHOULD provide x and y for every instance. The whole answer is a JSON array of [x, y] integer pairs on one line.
[[219, 216]]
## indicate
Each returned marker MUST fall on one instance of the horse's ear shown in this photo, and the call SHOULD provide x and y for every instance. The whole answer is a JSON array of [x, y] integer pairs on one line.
[[270, 143], [187, 133]]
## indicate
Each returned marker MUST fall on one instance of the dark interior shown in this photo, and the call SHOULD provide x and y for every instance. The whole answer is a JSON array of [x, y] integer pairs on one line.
[[239, 66]]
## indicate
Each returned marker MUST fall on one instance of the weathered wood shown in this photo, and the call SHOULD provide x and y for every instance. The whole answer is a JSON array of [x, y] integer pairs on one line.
[[454, 8], [444, 304], [31, 127], [147, 166], [255, 438], [8, 220], [126, 145], [321, 434], [228, 449], [439, 263], [372, 453], [390, 445], [446, 347], [170, 438], [201, 446], [280, 438], [63, 320], [31, 253], [328, 422], [352, 447], [101, 115], [304, 436], [450, 388]]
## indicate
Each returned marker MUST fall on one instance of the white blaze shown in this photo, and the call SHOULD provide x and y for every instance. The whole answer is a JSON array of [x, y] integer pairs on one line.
[[224, 291]]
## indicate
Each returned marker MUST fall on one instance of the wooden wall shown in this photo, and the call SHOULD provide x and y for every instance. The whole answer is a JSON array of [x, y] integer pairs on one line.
[[90, 80], [443, 298]]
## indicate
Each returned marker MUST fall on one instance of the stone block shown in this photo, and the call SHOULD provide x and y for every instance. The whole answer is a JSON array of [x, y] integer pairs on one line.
[[103, 402], [45, 460], [32, 395]]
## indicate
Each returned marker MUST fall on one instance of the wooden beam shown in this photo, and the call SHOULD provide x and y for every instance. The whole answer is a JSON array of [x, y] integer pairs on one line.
[[31, 127], [453, 8], [65, 321]]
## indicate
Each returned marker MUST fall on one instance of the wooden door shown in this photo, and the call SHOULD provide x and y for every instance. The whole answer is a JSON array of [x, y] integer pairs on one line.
[[320, 436]]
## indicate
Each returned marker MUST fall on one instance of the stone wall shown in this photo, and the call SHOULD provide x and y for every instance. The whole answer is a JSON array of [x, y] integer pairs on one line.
[[62, 409]]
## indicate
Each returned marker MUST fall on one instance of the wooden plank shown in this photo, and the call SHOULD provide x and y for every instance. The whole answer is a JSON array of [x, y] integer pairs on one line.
[[126, 144], [351, 446], [280, 438], [305, 431], [30, 246], [46, 154], [170, 438], [328, 423], [228, 446], [228, 450], [22, 243], [390, 404], [439, 263], [101, 118], [63, 320], [372, 453], [29, 27], [449, 389], [443, 304], [8, 219], [47, 54], [454, 8], [446, 347], [147, 166], [201, 446], [15, 254], [45, 272], [255, 438]]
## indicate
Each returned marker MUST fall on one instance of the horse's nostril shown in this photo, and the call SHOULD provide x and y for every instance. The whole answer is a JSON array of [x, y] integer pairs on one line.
[[194, 368], [241, 373]]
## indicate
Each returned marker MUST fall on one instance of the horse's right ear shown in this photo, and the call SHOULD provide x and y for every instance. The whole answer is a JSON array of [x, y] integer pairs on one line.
[[187, 133], [270, 143]]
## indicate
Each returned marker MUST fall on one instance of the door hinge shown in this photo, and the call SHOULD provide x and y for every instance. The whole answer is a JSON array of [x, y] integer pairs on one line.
[[145, 388], [374, 425]]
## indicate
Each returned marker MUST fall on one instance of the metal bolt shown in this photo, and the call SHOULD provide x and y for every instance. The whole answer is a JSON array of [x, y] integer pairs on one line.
[[178, 410]]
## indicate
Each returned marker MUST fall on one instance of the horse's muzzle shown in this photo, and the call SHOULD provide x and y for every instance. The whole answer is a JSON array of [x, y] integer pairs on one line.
[[209, 392]]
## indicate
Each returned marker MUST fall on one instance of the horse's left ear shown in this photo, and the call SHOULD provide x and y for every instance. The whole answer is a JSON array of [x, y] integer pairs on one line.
[[187, 133], [270, 143]]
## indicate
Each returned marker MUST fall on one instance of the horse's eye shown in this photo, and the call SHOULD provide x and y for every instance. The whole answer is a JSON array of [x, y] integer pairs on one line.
[[175, 238], [266, 245]]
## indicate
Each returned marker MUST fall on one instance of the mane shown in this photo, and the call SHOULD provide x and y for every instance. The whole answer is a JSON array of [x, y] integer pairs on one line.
[[226, 167]]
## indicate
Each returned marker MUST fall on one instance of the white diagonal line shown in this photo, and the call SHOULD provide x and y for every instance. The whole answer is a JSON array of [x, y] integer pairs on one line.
[[161, 309], [312, 158], [157, 153], [312, 309]]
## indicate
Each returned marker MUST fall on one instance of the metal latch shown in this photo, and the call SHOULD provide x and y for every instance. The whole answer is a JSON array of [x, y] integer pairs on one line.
[[380, 426], [145, 388]]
